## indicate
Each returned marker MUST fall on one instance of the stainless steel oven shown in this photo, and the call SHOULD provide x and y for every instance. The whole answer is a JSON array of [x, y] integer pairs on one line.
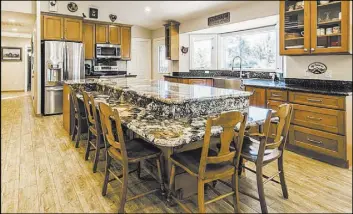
[[108, 51]]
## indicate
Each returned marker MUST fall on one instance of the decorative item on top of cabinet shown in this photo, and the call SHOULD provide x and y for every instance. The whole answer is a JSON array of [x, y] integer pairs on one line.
[[88, 39], [72, 7], [172, 40], [93, 13], [112, 17], [126, 43], [314, 27]]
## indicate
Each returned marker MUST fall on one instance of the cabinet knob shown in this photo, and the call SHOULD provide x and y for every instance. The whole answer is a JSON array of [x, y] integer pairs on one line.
[[312, 49], [305, 50]]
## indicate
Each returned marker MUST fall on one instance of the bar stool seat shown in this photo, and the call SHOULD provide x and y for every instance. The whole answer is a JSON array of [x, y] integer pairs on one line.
[[250, 151], [190, 160], [137, 150]]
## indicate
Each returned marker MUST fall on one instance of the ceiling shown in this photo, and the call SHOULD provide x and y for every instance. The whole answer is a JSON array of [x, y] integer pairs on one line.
[[15, 22], [133, 12]]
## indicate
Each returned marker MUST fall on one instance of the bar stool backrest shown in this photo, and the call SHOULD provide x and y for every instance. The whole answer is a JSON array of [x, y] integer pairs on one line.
[[228, 121], [108, 116], [88, 108]]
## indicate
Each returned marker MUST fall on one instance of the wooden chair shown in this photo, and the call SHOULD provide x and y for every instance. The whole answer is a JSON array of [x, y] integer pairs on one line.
[[94, 129], [125, 153], [208, 165], [262, 149], [79, 118]]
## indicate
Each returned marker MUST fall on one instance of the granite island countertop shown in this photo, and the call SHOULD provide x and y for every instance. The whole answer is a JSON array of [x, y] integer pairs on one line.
[[164, 131], [169, 99]]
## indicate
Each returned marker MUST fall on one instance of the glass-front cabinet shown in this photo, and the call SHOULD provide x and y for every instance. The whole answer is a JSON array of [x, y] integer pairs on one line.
[[311, 27]]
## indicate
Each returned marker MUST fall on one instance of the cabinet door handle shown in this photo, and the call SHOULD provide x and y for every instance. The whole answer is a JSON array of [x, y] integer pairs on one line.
[[314, 141], [313, 118], [314, 100], [312, 49], [305, 50], [276, 95]]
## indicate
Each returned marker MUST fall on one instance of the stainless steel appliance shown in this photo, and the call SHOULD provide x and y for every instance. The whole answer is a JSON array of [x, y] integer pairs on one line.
[[108, 51], [60, 61]]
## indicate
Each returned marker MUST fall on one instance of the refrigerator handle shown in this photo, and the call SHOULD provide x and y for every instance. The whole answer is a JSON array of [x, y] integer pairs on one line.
[[65, 62]]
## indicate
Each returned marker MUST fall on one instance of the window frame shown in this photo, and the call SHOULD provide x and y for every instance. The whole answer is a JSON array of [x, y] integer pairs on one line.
[[214, 55], [279, 59], [158, 61]]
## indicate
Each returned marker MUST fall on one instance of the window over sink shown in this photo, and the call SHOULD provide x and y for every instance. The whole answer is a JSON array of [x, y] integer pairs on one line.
[[258, 48]]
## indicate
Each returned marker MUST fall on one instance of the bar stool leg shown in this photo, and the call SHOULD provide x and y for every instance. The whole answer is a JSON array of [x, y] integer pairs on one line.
[[281, 177], [78, 137], [260, 189], [106, 178], [160, 176], [88, 148], [201, 196], [235, 179], [123, 191], [96, 157], [171, 183]]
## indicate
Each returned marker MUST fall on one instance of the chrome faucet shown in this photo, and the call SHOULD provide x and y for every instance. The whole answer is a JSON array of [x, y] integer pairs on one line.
[[240, 71]]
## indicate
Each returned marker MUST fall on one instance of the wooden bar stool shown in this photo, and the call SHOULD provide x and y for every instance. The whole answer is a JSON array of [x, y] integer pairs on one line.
[[124, 153], [95, 138], [79, 118], [208, 165], [262, 149]]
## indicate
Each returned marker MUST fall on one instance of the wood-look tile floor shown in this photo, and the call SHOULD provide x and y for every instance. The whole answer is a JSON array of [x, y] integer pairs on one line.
[[42, 171]]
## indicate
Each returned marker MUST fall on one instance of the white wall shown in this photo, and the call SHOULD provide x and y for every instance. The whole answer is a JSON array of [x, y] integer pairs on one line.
[[13, 73], [19, 6], [103, 15], [339, 66]]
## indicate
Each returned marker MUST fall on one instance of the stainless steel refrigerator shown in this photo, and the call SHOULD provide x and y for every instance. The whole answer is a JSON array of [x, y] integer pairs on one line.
[[60, 61]]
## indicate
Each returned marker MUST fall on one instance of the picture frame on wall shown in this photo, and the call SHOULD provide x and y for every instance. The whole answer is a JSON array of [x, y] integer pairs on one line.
[[93, 13], [11, 54]]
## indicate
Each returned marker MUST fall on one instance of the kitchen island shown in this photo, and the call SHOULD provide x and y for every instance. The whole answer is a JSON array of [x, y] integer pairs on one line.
[[171, 116]]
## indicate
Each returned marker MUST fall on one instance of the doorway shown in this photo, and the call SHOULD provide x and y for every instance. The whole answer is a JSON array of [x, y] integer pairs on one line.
[[140, 63], [161, 66]]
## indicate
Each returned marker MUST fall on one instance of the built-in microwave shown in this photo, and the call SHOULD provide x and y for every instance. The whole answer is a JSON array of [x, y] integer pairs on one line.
[[108, 51]]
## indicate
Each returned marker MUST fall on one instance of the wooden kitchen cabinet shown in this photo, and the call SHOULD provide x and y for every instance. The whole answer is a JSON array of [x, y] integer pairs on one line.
[[172, 40], [53, 28], [61, 28], [73, 29], [258, 98], [126, 43], [102, 33], [88, 40], [114, 34], [300, 27]]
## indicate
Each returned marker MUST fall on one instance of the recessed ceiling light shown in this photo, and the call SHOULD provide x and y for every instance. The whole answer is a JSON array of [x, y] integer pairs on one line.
[[14, 29], [12, 20], [147, 9]]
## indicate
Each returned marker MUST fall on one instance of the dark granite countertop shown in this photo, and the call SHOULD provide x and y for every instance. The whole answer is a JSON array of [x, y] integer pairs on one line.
[[295, 87]]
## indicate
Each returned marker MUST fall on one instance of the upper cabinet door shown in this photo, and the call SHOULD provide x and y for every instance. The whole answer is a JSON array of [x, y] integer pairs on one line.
[[101, 33], [114, 34], [89, 39], [52, 28], [329, 26], [73, 29], [294, 27], [126, 43]]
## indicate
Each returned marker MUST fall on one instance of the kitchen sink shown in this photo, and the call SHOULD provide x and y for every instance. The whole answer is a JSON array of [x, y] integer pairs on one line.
[[229, 82]]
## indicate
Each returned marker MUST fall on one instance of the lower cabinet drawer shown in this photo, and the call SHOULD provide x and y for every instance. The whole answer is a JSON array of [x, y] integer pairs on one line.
[[329, 120], [317, 141]]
